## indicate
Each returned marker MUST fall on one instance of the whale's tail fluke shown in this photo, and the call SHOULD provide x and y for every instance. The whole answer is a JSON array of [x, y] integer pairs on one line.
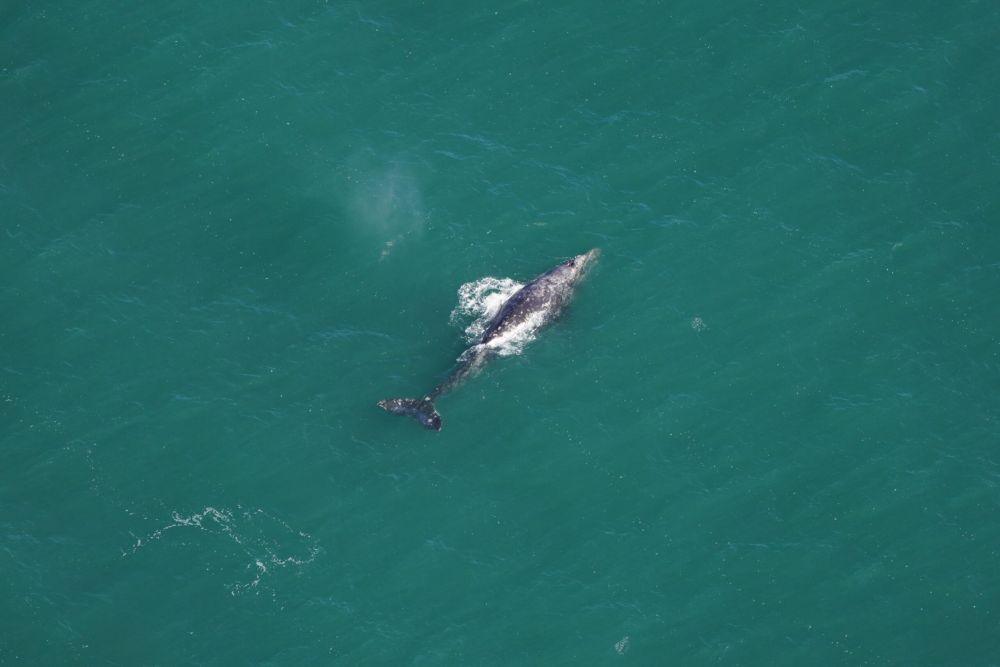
[[421, 409]]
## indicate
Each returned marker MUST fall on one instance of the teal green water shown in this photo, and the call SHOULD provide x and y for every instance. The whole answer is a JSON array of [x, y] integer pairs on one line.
[[766, 433]]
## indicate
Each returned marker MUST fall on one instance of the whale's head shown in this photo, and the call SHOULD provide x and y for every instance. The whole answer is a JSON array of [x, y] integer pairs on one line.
[[573, 270], [580, 264]]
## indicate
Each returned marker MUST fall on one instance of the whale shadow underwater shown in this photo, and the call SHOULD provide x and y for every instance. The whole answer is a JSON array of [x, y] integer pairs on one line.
[[534, 306]]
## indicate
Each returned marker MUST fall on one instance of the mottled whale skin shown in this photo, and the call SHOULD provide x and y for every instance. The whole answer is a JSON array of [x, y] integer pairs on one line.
[[535, 305]]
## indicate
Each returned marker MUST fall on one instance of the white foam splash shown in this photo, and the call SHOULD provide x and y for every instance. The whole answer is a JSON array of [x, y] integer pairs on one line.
[[258, 539], [479, 301]]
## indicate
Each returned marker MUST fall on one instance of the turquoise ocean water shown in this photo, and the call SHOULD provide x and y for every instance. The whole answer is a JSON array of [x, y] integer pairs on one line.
[[766, 433]]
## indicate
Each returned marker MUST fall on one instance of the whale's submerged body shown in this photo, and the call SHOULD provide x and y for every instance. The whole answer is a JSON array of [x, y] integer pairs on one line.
[[527, 310]]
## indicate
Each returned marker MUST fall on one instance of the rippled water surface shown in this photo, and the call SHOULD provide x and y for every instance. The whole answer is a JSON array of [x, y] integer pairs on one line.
[[767, 432]]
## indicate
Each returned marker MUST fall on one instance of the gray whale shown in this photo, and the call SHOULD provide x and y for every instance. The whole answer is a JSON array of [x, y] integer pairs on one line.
[[535, 305]]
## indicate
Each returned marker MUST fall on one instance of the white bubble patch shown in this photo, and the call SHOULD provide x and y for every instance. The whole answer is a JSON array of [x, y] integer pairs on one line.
[[480, 301], [250, 540]]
